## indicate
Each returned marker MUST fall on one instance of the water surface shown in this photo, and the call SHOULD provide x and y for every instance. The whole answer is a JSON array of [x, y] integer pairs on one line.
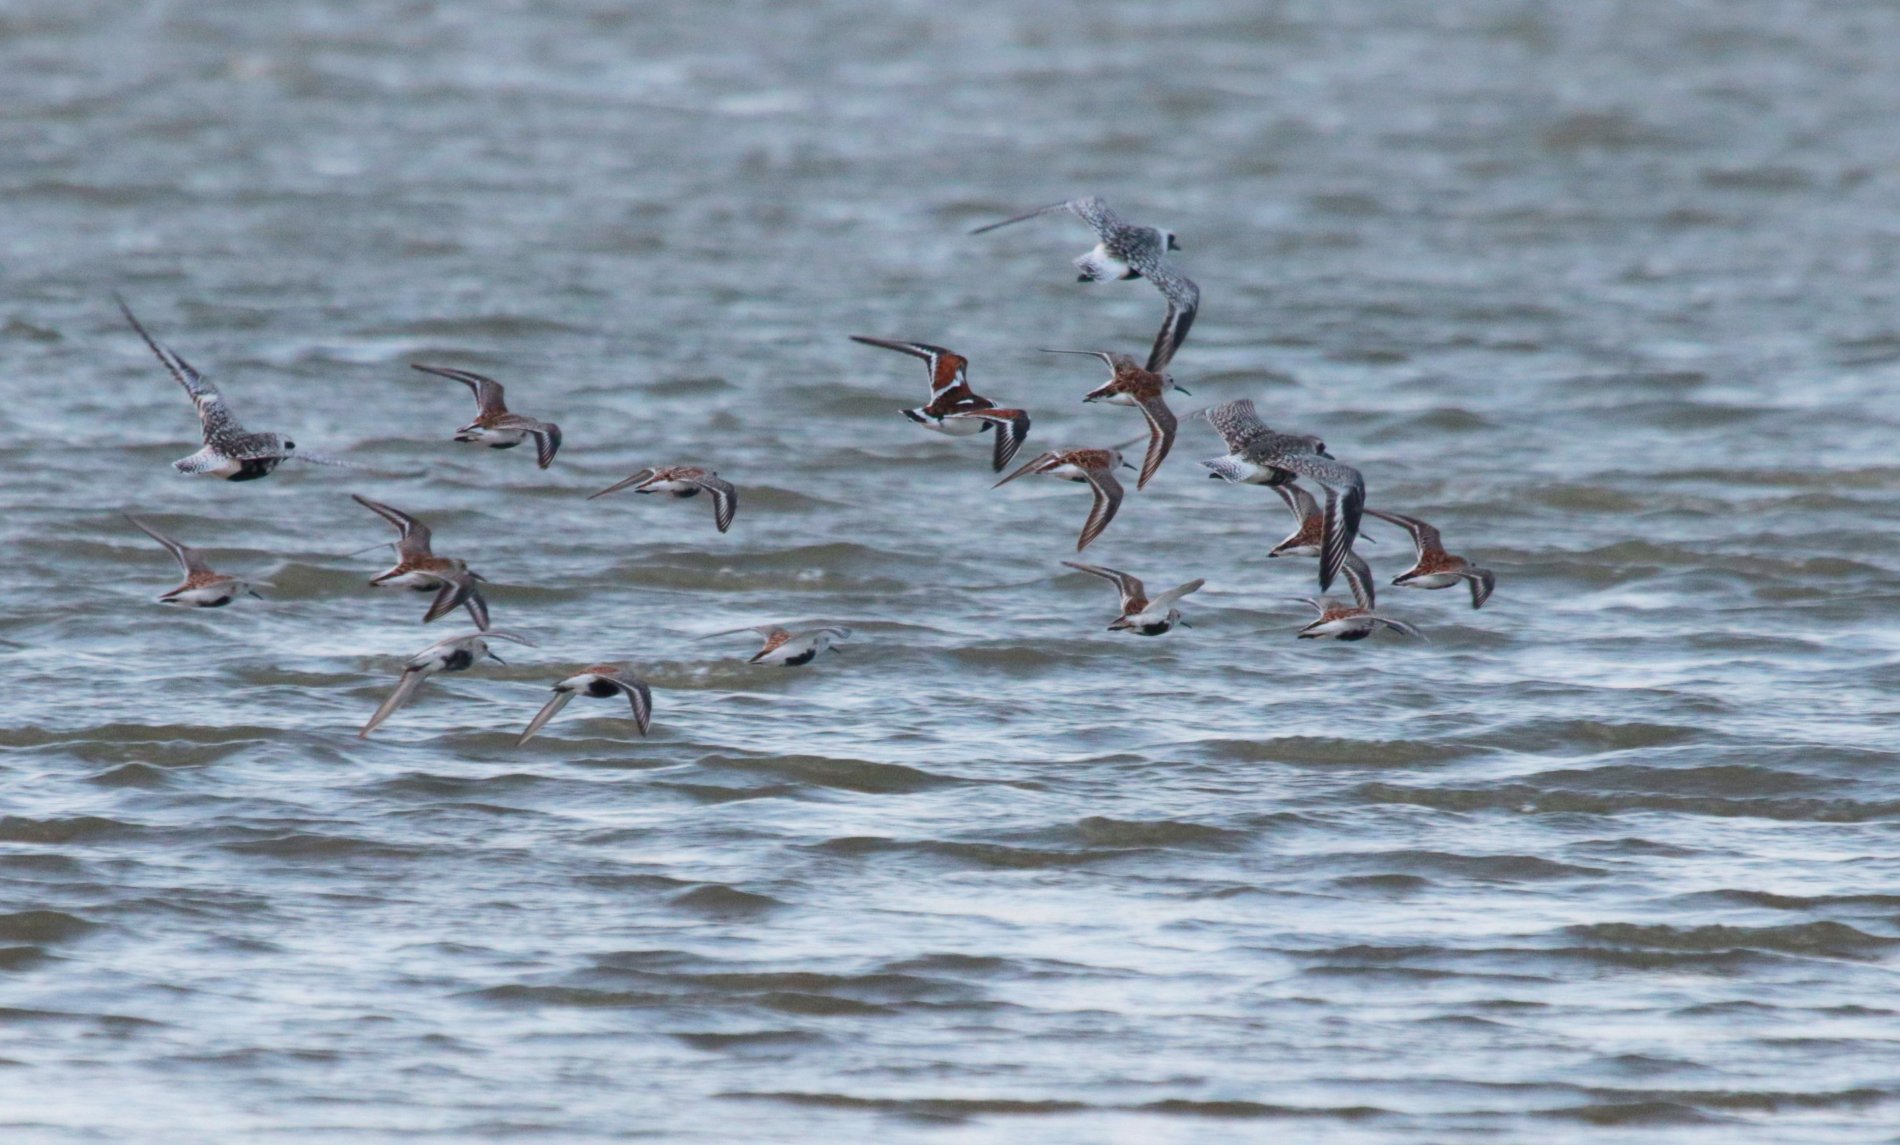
[[1606, 292]]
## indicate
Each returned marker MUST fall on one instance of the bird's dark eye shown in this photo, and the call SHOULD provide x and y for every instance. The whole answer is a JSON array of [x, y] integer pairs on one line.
[[1173, 243], [290, 445]]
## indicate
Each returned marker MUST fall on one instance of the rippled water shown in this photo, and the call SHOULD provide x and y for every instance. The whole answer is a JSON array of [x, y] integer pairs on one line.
[[1606, 291]]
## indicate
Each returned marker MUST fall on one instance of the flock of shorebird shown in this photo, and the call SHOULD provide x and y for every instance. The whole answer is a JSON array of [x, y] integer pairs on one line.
[[1256, 455]]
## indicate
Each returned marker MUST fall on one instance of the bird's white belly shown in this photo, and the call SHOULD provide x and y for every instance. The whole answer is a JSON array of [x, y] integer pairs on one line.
[[954, 427], [494, 438], [1432, 580], [1099, 265], [412, 579], [1345, 626], [207, 597]]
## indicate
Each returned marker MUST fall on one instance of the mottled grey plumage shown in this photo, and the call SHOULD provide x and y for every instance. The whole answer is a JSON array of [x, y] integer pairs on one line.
[[230, 451], [1258, 455], [1128, 251]]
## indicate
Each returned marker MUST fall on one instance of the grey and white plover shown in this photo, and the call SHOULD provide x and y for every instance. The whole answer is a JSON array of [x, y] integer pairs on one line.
[[1257, 455], [1124, 251]]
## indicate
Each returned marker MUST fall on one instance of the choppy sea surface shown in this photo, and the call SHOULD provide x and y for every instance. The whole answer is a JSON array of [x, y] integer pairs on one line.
[[1606, 291]]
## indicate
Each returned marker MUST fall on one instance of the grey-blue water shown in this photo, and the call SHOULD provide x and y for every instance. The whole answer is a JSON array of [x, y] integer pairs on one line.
[[1606, 291]]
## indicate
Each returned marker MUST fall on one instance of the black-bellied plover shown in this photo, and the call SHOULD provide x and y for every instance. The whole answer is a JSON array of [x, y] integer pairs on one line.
[[230, 451], [1257, 455], [1122, 251]]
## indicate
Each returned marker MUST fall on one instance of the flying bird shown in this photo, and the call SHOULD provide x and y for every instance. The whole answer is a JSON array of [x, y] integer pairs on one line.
[[684, 481], [1434, 567], [203, 587], [1123, 251], [450, 654], [788, 648], [954, 408], [230, 451], [1140, 614], [1132, 385], [1309, 523], [1257, 455], [1095, 466], [494, 426], [1354, 621], [417, 567], [602, 682]]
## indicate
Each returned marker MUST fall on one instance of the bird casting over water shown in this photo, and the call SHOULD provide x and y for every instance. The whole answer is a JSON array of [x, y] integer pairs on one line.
[[954, 408], [203, 587], [450, 654], [1124, 251], [494, 426], [452, 581], [1132, 385], [684, 481], [1141, 615], [1257, 455], [1433, 566], [1095, 466], [230, 451], [602, 682], [788, 648], [1354, 621]]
